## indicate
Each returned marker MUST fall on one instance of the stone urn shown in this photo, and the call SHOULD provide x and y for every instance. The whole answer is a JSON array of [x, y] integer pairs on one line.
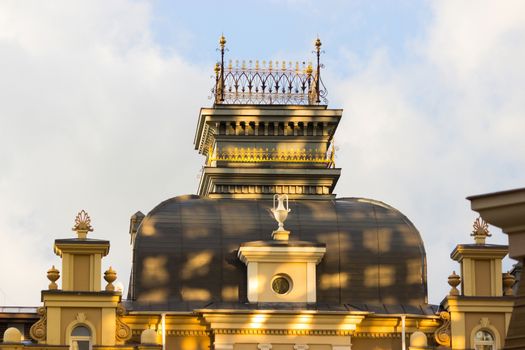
[[53, 275], [454, 281], [508, 282], [110, 276]]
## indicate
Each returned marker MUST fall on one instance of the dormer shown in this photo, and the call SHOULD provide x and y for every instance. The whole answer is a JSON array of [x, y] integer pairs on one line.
[[281, 270]]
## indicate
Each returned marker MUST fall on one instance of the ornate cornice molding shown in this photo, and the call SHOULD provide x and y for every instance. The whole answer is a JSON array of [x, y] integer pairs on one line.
[[256, 331]]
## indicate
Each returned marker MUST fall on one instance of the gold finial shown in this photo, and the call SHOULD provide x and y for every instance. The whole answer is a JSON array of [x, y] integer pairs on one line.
[[217, 68], [309, 68], [222, 41], [53, 275], [82, 224], [318, 44], [110, 276], [481, 231]]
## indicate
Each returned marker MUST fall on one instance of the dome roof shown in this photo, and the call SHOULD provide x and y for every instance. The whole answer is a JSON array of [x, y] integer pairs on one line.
[[185, 251]]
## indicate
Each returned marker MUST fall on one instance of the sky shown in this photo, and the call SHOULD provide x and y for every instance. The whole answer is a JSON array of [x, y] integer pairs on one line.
[[100, 99]]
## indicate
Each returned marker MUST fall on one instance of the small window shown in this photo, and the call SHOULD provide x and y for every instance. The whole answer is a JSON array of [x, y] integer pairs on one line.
[[281, 284], [484, 340], [81, 338]]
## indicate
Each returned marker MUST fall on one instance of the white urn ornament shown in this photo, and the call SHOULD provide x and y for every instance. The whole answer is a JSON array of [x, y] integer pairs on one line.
[[280, 212]]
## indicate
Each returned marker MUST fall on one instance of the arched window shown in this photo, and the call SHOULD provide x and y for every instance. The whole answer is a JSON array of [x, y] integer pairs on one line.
[[81, 338], [484, 340]]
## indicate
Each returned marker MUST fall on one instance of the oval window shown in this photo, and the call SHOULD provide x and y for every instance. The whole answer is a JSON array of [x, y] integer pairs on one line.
[[281, 284]]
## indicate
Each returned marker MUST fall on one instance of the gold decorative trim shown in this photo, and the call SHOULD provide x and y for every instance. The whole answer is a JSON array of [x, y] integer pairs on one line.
[[259, 155], [325, 332], [188, 332], [39, 329], [376, 335], [272, 189], [179, 332], [442, 333], [123, 331]]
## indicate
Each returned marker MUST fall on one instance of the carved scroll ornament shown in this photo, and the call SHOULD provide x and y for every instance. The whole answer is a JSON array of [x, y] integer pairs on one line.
[[123, 332], [442, 333], [38, 330]]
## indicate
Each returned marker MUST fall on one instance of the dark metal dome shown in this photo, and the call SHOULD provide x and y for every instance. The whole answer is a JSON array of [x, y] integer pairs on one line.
[[185, 252]]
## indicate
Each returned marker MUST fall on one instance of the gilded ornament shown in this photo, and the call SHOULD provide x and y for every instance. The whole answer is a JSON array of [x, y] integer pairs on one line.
[[254, 155], [82, 224], [318, 44], [481, 231], [222, 41], [277, 83]]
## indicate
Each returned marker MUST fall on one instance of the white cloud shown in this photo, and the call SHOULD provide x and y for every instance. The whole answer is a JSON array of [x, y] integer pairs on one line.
[[93, 116], [424, 134]]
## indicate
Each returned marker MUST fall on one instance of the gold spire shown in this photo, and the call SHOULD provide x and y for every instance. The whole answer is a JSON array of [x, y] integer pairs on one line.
[[309, 68], [82, 224], [222, 41], [318, 44]]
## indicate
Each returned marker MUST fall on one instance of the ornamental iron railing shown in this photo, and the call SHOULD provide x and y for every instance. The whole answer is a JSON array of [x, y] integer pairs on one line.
[[273, 82]]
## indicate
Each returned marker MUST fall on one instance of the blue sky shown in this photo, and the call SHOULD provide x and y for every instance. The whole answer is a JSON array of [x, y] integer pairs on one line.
[[101, 98], [268, 29]]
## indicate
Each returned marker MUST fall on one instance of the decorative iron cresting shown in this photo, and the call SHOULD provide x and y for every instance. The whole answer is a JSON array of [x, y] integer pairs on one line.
[[272, 82]]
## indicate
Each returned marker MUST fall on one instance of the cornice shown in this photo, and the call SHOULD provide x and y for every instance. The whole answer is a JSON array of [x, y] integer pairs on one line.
[[481, 251], [281, 254]]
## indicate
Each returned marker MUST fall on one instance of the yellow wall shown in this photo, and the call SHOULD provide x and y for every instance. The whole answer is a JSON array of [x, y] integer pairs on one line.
[[68, 315], [496, 320], [296, 271], [376, 344], [188, 342], [276, 346], [81, 273], [483, 278]]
